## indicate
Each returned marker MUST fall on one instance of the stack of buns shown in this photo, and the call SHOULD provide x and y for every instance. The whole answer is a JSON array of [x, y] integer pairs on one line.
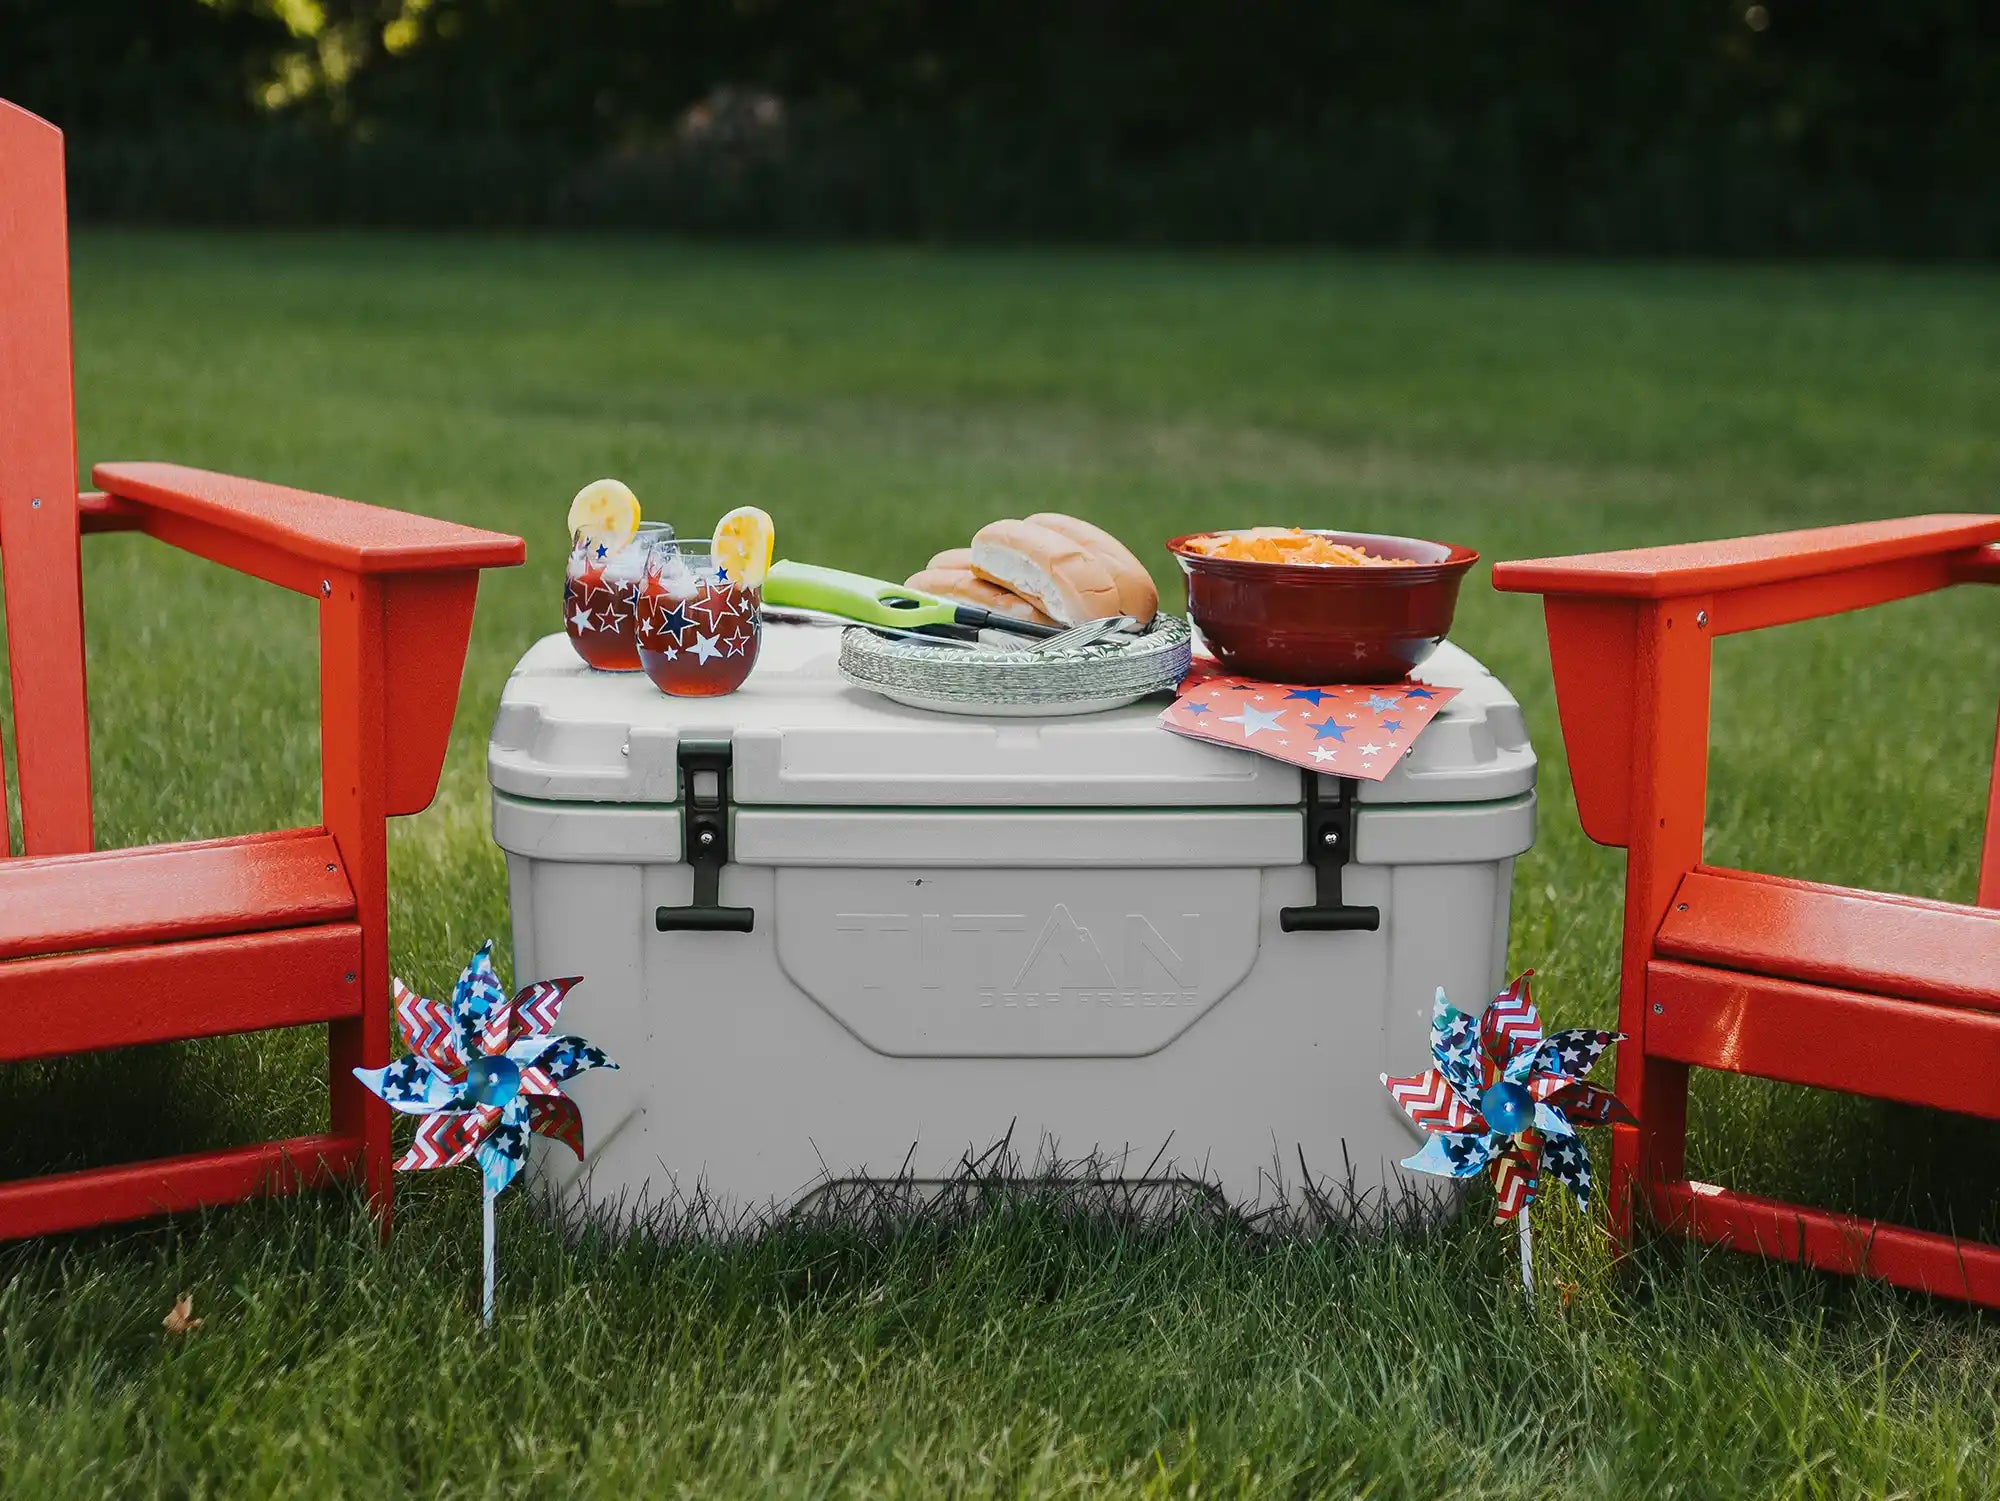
[[1050, 569]]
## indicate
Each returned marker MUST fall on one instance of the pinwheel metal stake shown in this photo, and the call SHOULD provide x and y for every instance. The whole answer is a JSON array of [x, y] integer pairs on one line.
[[484, 1071], [1505, 1100]]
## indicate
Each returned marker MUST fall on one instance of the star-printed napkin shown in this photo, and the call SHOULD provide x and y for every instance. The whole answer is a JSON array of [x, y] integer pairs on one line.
[[1344, 730]]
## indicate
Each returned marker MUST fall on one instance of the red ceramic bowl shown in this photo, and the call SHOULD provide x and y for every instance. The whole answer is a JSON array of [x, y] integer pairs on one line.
[[1325, 622]]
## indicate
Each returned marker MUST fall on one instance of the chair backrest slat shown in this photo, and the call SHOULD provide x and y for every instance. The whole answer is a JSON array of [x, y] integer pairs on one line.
[[39, 558], [1989, 852]]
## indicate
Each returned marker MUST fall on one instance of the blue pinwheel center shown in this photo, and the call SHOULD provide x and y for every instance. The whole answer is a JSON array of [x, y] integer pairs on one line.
[[492, 1081], [1509, 1108]]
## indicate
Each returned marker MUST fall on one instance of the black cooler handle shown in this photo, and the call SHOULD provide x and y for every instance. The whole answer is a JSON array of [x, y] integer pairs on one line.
[[704, 769], [1329, 837]]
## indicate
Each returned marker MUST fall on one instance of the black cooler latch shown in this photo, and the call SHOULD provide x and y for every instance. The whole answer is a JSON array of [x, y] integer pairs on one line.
[[1329, 840], [704, 766]]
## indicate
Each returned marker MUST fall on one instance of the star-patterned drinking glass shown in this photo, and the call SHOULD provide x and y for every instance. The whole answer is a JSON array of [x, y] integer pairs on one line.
[[601, 597], [698, 628]]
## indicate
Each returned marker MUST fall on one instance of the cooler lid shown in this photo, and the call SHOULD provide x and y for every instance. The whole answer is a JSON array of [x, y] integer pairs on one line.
[[801, 735]]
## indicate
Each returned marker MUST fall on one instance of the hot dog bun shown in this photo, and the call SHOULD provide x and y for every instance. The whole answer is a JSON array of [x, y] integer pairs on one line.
[[1060, 577], [953, 557], [1137, 595], [965, 586]]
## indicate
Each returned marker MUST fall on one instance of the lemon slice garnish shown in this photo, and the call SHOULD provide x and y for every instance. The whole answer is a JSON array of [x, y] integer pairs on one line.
[[744, 540], [604, 511]]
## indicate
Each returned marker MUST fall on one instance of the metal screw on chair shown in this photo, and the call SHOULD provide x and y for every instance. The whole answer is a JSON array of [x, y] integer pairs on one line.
[[326, 588], [350, 977], [705, 838], [35, 504], [1658, 1008], [1701, 618], [1680, 906], [1330, 838]]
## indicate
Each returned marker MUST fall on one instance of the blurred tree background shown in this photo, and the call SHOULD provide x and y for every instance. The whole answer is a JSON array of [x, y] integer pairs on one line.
[[1649, 127]]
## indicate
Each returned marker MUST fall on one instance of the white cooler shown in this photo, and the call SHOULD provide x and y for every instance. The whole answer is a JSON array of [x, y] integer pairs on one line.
[[904, 938]]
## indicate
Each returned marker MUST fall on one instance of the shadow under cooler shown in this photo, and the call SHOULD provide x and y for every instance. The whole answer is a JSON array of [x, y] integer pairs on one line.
[[906, 937]]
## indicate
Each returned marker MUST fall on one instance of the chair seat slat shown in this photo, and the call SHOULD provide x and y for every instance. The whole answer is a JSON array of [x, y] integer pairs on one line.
[[167, 892]]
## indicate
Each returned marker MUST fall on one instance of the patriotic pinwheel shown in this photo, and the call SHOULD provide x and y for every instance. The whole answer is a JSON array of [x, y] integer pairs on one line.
[[1506, 1100], [484, 1072]]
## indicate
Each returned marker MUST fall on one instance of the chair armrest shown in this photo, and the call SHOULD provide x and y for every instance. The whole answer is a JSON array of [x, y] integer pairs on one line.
[[262, 521], [1747, 583], [1629, 636], [1746, 562], [396, 594]]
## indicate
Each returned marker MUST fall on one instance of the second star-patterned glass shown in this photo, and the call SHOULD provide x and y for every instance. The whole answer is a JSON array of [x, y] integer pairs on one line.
[[698, 628]]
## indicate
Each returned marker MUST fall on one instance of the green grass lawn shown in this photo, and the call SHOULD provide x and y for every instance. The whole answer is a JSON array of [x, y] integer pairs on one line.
[[881, 404]]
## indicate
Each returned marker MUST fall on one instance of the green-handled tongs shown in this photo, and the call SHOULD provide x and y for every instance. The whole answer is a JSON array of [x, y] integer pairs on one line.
[[867, 601]]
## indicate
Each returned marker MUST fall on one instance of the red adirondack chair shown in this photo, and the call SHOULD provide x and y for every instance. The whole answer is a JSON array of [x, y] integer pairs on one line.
[[1884, 996], [109, 948]]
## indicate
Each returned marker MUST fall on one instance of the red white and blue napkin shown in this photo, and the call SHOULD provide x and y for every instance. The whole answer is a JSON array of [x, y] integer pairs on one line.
[[1344, 730]]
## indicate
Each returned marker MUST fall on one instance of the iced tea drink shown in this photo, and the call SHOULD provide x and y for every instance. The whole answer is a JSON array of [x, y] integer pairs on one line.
[[699, 629], [601, 597]]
